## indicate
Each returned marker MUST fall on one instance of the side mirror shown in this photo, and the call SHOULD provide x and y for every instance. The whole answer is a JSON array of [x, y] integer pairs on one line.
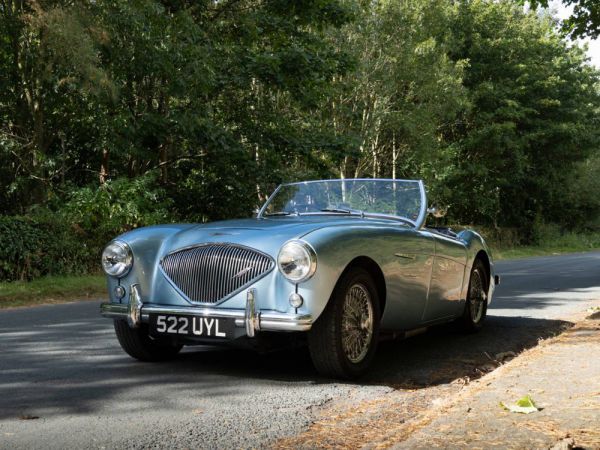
[[437, 212], [255, 212]]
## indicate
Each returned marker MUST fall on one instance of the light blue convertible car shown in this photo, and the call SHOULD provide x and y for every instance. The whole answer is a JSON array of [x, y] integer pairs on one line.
[[337, 262]]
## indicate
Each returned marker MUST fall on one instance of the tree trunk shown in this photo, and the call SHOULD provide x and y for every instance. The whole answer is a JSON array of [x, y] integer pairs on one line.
[[259, 194], [104, 167], [162, 161]]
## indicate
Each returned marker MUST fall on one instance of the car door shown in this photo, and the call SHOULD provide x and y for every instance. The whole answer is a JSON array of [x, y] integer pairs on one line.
[[408, 278], [447, 274]]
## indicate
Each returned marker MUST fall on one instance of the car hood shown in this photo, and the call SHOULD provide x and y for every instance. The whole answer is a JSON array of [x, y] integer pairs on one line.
[[266, 235]]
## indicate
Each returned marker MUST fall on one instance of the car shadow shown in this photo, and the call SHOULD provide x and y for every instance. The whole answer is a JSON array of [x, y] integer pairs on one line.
[[75, 367], [443, 355], [439, 356]]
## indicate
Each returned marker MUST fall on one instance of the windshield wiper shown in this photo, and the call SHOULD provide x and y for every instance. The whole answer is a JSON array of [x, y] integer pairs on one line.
[[277, 213], [356, 212], [337, 210]]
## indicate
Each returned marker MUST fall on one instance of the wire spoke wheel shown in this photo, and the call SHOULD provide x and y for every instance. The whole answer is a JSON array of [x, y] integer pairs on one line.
[[477, 296], [357, 323], [343, 340]]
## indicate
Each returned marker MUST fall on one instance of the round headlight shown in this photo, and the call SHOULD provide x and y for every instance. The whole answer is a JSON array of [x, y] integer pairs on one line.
[[117, 259], [297, 261]]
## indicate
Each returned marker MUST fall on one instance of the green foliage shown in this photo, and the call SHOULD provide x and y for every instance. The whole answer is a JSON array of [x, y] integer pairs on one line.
[[101, 213], [533, 117], [580, 205], [34, 247], [70, 242], [403, 90]]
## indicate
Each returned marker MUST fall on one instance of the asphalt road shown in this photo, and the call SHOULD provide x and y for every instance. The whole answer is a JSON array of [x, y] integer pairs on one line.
[[65, 383]]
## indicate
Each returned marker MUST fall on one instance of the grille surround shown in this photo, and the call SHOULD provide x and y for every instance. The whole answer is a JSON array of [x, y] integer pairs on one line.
[[210, 273]]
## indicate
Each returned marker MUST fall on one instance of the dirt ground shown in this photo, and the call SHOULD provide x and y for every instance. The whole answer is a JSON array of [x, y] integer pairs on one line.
[[561, 374]]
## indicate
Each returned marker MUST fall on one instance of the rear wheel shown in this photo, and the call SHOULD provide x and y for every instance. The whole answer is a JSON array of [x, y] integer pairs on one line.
[[476, 304], [343, 340], [139, 344]]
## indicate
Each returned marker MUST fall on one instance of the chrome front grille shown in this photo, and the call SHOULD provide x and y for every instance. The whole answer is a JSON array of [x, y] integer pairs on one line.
[[209, 273]]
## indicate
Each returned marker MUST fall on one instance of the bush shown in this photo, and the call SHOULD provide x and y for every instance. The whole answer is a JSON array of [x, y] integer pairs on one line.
[[31, 247], [103, 212], [70, 241]]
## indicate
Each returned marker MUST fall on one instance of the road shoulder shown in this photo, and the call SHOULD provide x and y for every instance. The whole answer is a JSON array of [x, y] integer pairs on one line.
[[562, 374]]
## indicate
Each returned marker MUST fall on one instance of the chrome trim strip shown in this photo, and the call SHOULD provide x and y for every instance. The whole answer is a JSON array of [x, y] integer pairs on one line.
[[205, 312], [349, 179], [423, 213], [113, 310], [275, 321], [261, 211], [268, 320]]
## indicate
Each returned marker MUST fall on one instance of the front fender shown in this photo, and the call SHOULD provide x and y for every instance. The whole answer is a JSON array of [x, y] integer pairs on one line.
[[146, 244], [336, 248]]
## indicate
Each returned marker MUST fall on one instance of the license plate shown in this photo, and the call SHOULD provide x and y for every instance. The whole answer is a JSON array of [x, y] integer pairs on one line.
[[191, 326]]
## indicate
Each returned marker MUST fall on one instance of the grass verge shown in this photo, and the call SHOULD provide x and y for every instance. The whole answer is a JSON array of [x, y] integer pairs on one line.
[[532, 251], [553, 244], [46, 290]]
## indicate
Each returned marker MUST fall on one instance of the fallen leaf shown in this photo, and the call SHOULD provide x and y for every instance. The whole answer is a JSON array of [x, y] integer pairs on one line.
[[28, 417], [524, 405]]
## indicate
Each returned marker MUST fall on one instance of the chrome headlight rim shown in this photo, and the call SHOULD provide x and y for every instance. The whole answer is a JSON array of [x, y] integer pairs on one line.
[[312, 259], [127, 261]]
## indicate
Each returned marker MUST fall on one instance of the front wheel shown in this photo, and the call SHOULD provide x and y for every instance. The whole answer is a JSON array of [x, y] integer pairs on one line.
[[140, 345], [342, 342], [476, 304]]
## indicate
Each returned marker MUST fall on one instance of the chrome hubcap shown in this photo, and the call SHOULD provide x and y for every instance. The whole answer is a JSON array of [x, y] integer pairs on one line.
[[357, 323], [477, 296]]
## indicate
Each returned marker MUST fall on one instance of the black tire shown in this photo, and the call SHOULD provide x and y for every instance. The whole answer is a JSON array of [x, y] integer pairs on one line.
[[325, 337], [137, 343], [476, 304]]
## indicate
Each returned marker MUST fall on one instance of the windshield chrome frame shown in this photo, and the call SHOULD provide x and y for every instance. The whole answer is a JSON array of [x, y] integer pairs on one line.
[[418, 223]]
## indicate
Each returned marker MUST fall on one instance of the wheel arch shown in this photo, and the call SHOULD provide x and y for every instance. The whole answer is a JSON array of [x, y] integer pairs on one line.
[[484, 258], [477, 249], [375, 271]]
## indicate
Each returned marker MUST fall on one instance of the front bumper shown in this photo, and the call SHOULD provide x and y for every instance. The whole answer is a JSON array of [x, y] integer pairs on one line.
[[136, 312]]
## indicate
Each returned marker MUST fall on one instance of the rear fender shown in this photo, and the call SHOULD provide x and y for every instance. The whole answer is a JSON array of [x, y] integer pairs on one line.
[[477, 248]]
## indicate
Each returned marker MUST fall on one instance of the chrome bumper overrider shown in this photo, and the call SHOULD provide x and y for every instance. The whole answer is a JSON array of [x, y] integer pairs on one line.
[[494, 281], [135, 312]]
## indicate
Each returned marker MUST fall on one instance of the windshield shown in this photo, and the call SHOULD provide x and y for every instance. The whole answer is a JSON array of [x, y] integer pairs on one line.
[[403, 199]]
